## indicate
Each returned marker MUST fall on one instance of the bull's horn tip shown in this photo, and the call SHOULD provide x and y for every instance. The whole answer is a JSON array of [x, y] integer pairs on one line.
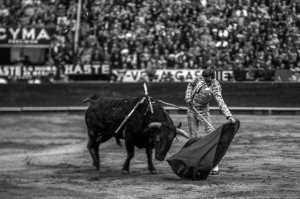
[[183, 133], [154, 125]]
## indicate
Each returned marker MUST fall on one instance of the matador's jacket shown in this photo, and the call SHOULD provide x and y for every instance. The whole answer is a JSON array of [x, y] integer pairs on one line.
[[200, 94]]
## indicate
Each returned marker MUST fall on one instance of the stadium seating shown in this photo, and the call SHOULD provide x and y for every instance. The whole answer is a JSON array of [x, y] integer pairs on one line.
[[174, 34]]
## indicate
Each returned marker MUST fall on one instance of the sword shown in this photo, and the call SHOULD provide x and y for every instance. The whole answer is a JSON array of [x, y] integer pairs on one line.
[[170, 104], [202, 117], [185, 109]]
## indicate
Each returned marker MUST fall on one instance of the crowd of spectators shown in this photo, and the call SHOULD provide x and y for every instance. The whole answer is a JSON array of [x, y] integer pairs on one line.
[[172, 34]]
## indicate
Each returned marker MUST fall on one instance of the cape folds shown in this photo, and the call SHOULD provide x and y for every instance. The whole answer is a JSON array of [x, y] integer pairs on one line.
[[199, 155]]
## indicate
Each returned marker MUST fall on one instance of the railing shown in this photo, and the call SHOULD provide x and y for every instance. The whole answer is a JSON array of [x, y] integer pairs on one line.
[[170, 110]]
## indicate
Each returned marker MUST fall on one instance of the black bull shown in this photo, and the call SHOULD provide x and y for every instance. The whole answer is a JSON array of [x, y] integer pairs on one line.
[[143, 129]]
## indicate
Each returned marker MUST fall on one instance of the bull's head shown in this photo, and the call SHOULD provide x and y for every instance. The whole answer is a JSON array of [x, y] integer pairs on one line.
[[164, 135]]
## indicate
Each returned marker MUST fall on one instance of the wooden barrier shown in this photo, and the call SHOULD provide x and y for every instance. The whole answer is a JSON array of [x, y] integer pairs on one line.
[[247, 95]]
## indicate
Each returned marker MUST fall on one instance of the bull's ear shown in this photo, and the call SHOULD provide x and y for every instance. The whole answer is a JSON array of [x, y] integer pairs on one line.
[[179, 125], [91, 99], [182, 133], [154, 125]]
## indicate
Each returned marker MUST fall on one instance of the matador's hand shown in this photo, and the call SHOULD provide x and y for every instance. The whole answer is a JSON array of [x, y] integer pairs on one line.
[[231, 119], [189, 103]]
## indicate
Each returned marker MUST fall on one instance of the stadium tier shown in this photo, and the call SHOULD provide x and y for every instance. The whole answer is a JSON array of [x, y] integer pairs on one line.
[[59, 40]]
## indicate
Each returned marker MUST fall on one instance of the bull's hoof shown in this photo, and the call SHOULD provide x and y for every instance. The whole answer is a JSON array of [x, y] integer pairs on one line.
[[120, 144], [96, 164], [125, 172], [153, 172]]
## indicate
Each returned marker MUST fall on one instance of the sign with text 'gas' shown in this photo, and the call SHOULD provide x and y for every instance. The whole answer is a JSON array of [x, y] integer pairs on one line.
[[167, 75]]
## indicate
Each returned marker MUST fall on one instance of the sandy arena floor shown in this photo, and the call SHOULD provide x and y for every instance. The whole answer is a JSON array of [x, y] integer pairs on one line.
[[45, 156]]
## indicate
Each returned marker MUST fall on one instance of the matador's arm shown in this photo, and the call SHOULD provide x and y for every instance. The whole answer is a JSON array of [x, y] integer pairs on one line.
[[217, 92], [189, 90]]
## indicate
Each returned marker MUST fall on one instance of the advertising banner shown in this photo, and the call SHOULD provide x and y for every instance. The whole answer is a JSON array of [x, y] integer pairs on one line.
[[87, 69], [26, 37], [26, 72], [103, 72], [91, 72], [94, 72], [166, 75], [287, 75]]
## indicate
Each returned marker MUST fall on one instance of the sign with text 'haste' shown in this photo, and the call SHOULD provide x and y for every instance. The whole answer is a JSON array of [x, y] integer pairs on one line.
[[87, 69], [28, 72]]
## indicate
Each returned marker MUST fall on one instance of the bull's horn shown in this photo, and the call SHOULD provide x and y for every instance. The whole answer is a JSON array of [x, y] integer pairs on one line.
[[154, 125], [182, 133]]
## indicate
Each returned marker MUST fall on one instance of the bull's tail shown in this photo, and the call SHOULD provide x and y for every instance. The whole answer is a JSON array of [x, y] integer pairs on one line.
[[91, 99]]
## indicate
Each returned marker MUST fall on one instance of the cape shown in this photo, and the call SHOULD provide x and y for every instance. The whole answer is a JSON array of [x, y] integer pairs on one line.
[[200, 155]]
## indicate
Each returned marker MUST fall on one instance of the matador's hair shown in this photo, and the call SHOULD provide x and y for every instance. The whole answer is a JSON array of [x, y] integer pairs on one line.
[[209, 72]]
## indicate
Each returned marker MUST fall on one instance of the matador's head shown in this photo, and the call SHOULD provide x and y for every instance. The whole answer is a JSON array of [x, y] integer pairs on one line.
[[208, 75]]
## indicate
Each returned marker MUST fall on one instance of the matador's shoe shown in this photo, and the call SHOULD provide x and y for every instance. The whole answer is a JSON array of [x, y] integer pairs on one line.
[[214, 172]]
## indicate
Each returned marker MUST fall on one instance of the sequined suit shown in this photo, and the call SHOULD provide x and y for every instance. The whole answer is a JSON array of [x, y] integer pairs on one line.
[[200, 94]]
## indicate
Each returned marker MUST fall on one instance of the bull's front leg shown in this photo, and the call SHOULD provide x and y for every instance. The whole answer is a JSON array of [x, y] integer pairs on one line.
[[130, 154], [93, 148], [151, 167]]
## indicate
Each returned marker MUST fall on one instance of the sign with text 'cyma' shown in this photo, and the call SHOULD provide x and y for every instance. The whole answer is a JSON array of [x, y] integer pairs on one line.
[[26, 37]]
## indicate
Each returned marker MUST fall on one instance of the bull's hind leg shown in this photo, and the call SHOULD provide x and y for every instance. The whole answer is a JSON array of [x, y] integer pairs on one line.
[[93, 147], [151, 167]]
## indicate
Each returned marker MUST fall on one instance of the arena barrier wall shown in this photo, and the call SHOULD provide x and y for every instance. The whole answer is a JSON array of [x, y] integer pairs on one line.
[[255, 97]]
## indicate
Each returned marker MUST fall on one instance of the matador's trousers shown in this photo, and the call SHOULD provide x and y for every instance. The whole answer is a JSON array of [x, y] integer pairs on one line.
[[196, 122]]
